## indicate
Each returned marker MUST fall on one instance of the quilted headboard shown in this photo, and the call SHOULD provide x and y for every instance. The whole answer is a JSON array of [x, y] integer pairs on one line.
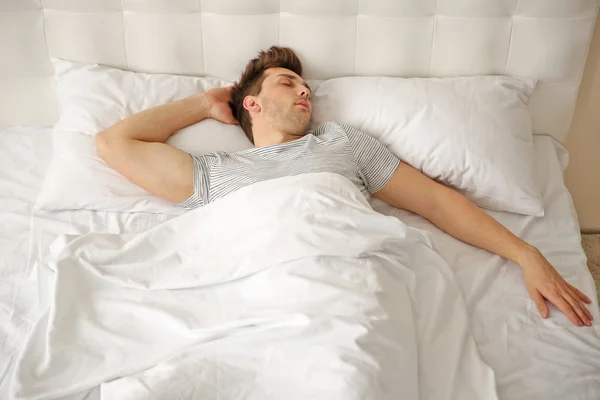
[[543, 39]]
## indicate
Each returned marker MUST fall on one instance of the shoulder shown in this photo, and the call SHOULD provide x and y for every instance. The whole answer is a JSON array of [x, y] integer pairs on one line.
[[332, 128], [208, 160]]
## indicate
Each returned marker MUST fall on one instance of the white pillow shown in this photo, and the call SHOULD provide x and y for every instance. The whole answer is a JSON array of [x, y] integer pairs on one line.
[[471, 133], [93, 97]]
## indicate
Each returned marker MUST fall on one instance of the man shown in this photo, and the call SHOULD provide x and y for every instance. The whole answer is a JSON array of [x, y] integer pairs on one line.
[[272, 104]]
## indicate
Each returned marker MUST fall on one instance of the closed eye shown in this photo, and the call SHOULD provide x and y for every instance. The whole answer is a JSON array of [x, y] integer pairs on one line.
[[287, 81]]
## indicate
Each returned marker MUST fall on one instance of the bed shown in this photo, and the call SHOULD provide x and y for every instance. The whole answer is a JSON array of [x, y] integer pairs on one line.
[[530, 357]]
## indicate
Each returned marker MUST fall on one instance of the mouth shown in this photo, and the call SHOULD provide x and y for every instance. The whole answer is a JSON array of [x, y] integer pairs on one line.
[[303, 104]]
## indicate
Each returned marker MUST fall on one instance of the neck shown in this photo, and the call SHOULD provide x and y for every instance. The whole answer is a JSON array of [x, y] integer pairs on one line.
[[265, 136]]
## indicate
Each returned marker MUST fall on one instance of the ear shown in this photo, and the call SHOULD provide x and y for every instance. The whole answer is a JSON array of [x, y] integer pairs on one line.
[[250, 104]]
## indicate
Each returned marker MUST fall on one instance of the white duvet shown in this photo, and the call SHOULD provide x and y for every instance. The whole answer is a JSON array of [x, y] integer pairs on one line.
[[291, 288]]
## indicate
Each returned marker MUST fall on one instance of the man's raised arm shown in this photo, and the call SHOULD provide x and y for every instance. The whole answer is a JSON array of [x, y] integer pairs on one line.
[[135, 146]]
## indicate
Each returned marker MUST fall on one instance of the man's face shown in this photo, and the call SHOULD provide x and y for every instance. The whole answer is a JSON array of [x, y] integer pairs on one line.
[[284, 101]]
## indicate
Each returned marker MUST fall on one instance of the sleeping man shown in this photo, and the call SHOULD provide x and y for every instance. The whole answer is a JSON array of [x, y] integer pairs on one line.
[[271, 102]]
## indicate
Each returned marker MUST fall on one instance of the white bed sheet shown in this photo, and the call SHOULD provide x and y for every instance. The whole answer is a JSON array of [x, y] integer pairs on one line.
[[24, 153], [532, 357]]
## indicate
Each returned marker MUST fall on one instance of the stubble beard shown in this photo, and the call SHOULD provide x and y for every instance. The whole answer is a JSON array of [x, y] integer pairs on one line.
[[287, 119]]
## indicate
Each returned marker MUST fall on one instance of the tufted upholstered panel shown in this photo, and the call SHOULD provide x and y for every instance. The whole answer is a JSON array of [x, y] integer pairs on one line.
[[543, 39]]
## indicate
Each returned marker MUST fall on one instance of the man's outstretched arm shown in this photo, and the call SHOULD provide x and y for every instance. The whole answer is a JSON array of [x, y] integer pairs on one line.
[[411, 190]]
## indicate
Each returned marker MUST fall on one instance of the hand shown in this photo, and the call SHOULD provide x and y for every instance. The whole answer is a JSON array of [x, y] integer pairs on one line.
[[543, 281], [218, 105]]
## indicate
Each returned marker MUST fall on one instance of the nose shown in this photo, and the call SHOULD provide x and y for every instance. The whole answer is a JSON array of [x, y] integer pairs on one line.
[[304, 92]]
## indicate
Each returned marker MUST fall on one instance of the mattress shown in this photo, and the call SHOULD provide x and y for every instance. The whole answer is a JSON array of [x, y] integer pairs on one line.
[[531, 357]]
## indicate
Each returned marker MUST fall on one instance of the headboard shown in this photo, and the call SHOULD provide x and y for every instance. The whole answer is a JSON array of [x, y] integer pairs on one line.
[[543, 39]]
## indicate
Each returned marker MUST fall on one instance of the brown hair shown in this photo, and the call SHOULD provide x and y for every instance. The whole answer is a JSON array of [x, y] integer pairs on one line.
[[252, 78]]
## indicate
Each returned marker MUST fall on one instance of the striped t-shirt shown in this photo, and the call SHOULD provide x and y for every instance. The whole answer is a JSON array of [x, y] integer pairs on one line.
[[331, 147]]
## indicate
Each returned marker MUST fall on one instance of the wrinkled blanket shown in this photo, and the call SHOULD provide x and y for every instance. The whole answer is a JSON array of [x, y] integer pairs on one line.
[[293, 288]]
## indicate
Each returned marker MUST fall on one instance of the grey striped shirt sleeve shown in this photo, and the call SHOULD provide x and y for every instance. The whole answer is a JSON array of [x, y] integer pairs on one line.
[[375, 161], [202, 167]]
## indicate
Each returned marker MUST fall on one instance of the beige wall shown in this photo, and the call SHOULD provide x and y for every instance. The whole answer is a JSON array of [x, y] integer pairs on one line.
[[583, 173]]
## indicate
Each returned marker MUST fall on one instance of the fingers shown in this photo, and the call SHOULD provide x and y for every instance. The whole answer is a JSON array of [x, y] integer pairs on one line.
[[560, 300], [540, 303], [579, 293], [566, 308], [581, 309], [577, 307]]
